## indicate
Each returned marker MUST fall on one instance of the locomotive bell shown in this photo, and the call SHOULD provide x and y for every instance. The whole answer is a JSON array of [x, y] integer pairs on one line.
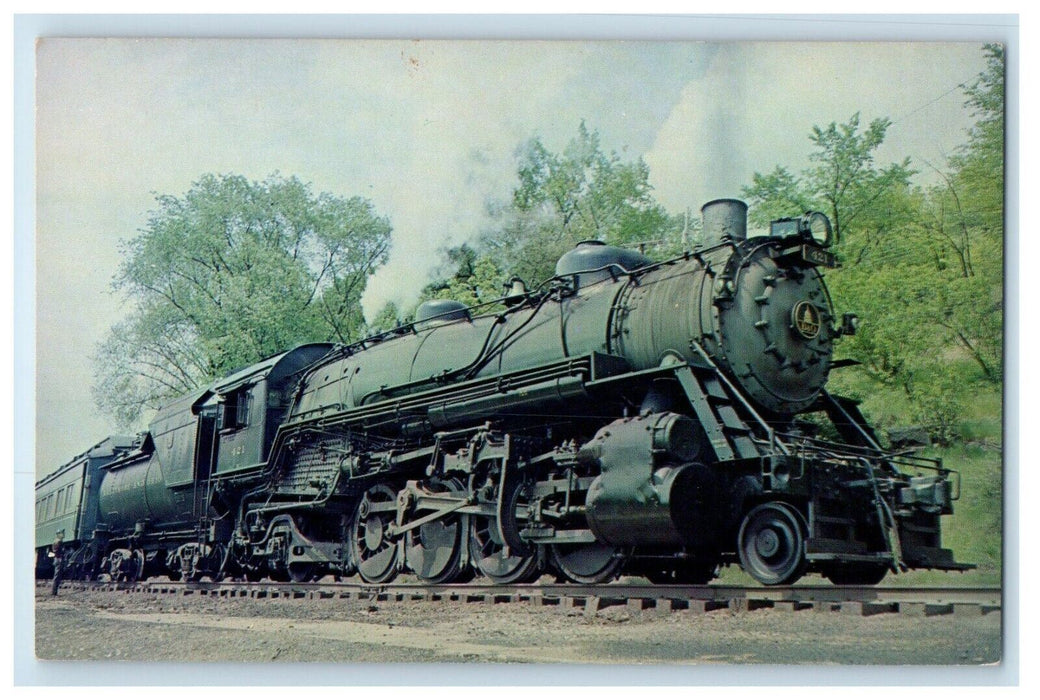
[[515, 291], [724, 220]]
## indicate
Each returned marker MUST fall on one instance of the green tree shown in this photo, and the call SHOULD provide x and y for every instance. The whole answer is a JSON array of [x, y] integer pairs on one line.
[[978, 167], [967, 224], [387, 318], [864, 202], [464, 275], [917, 264], [469, 276], [866, 205], [563, 198], [232, 272]]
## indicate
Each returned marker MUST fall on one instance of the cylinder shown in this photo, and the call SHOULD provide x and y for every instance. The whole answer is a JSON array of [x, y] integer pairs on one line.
[[724, 220], [628, 504]]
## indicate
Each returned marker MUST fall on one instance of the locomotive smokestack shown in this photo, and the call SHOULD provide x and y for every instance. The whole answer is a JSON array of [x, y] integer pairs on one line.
[[724, 220]]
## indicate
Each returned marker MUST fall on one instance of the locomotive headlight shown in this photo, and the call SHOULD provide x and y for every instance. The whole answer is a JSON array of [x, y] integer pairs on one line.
[[818, 226], [813, 224]]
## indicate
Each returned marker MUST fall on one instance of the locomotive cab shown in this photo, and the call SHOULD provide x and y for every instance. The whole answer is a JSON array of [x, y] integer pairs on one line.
[[252, 403]]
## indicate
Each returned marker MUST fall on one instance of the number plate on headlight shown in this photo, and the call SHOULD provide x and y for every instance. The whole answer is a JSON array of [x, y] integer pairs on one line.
[[816, 256]]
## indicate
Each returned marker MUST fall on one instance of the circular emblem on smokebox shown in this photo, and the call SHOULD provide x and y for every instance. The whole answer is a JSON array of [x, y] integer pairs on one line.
[[806, 319]]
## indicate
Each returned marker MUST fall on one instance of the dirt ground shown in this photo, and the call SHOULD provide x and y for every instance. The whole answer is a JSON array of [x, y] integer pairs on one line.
[[85, 625]]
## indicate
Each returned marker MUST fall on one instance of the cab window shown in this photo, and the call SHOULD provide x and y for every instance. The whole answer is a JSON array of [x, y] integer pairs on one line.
[[236, 409]]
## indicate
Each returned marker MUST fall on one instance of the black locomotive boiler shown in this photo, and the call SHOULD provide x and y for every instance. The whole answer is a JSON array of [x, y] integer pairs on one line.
[[652, 418]]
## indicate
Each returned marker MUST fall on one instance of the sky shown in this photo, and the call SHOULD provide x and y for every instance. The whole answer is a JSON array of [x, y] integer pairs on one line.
[[426, 130]]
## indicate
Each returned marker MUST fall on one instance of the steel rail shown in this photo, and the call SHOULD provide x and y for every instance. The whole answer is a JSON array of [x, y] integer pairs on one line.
[[865, 600]]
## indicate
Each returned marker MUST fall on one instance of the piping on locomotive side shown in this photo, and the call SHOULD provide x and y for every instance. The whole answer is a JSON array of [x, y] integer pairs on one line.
[[658, 419]]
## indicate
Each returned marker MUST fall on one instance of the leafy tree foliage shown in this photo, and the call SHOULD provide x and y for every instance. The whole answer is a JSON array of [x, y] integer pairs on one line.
[[560, 199], [967, 224], [922, 267], [230, 273], [465, 275], [145, 360], [477, 279], [865, 204], [978, 167], [563, 198], [962, 224], [862, 200], [387, 318]]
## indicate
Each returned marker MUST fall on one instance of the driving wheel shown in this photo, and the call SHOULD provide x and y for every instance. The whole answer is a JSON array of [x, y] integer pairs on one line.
[[490, 547], [373, 551], [434, 550]]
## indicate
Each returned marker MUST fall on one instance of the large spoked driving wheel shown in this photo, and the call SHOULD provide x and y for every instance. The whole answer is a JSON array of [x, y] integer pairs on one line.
[[374, 552], [494, 556], [590, 563], [771, 544], [434, 550]]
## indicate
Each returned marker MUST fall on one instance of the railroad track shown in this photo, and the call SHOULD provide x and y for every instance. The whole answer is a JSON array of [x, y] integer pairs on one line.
[[855, 600]]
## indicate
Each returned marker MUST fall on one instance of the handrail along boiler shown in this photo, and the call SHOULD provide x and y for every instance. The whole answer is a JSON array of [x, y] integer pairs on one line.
[[652, 418]]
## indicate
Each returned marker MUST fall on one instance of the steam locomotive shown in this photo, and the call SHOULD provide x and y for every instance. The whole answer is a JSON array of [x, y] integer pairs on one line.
[[656, 419]]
